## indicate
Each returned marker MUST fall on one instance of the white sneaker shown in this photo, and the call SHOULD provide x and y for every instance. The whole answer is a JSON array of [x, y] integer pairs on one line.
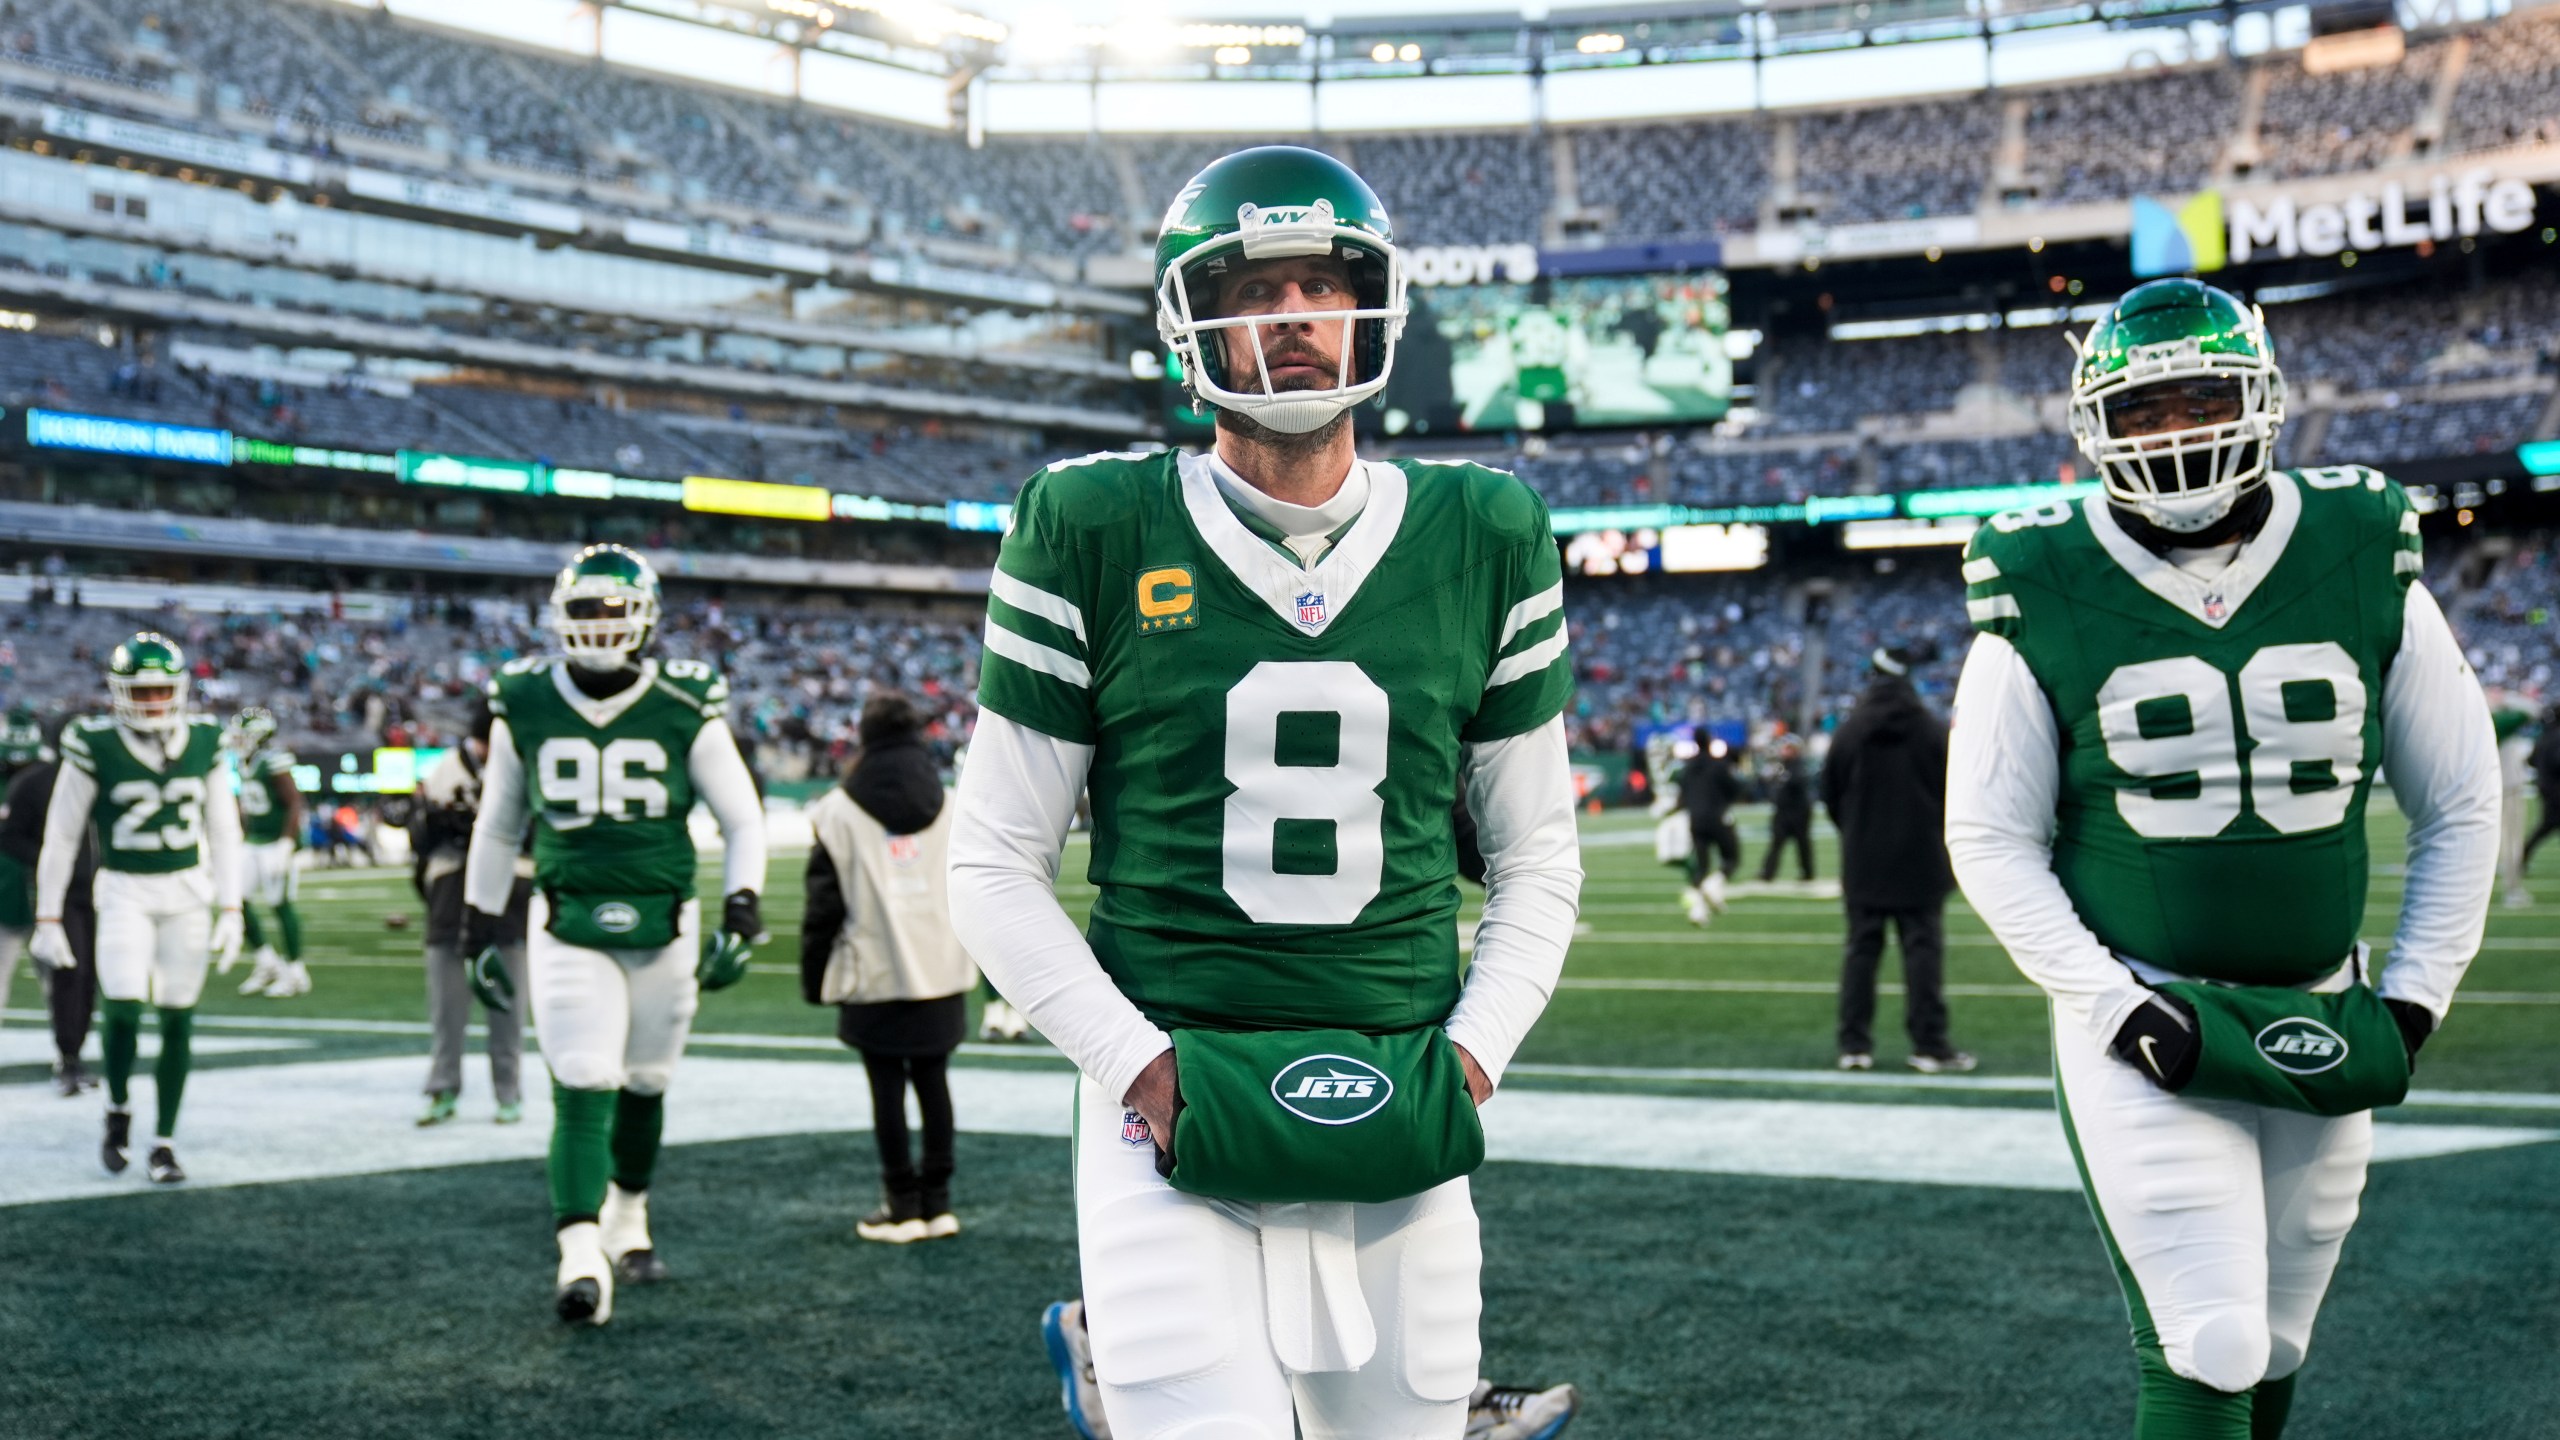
[[1713, 889], [2518, 897], [583, 1294], [1694, 903], [264, 973], [1002, 1022], [623, 1229], [293, 978]]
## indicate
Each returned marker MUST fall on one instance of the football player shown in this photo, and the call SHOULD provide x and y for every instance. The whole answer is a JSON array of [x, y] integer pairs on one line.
[[606, 749], [2165, 737], [1273, 665], [271, 811], [149, 777]]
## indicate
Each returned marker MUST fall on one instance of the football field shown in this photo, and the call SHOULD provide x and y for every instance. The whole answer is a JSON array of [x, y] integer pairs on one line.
[[1687, 1213]]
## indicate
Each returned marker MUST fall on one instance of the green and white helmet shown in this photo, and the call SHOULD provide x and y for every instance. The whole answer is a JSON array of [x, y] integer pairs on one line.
[[1269, 203], [604, 607], [147, 678], [2206, 344], [22, 730], [249, 729]]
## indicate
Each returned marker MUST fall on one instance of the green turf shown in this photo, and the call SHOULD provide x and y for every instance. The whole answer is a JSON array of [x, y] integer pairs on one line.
[[1688, 1306]]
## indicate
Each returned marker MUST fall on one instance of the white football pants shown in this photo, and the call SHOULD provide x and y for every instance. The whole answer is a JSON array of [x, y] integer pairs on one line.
[[273, 872], [2229, 1216], [1183, 1299], [611, 1019], [155, 935]]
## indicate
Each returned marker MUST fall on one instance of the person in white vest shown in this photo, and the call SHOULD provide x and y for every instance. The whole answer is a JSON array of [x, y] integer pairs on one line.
[[876, 941]]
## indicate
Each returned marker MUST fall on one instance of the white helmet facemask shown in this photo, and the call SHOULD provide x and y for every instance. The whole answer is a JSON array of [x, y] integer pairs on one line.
[[1283, 232], [597, 633], [2183, 480]]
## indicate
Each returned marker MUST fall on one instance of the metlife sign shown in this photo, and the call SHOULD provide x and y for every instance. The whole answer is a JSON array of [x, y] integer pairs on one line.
[[2207, 231]]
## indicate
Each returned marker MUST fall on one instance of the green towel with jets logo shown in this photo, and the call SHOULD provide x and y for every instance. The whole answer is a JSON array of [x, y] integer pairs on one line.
[[1279, 1117], [605, 921], [2332, 1054]]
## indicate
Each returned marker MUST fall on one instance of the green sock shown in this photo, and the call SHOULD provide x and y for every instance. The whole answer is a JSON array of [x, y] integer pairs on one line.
[[252, 934], [2269, 1405], [169, 1075], [289, 920], [637, 1121], [120, 1032], [581, 1134], [2170, 1406]]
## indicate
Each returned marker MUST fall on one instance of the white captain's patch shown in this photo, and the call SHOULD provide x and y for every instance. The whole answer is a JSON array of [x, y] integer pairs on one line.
[[351, 1117]]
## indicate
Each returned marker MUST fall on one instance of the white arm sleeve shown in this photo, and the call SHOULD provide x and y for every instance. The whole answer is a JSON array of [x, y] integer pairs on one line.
[[2004, 771], [1016, 798], [489, 873], [66, 824], [222, 842], [1520, 791], [2441, 756], [720, 777]]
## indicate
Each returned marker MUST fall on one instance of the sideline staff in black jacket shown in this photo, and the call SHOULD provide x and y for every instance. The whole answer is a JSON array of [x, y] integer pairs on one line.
[[70, 995]]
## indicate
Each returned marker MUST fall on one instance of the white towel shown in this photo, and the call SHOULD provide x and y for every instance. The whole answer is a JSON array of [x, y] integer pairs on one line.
[[1311, 1285]]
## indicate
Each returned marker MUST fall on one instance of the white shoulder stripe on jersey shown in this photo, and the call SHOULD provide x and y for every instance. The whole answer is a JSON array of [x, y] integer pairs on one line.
[[1032, 600], [1978, 571], [1530, 611], [1528, 662], [1037, 656], [2407, 562], [1996, 607], [2408, 522]]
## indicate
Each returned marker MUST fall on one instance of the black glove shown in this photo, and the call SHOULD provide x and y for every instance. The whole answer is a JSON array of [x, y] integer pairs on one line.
[[2160, 1039], [479, 931], [741, 915], [2416, 1024]]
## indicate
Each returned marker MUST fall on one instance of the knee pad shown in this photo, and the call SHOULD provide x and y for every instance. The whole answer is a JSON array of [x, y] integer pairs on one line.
[[1438, 1305], [585, 1072], [1160, 1293], [2229, 1352]]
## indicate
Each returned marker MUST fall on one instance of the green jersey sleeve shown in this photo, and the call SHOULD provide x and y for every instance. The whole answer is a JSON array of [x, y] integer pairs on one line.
[[1532, 676], [2001, 551], [701, 688], [76, 751], [1037, 669]]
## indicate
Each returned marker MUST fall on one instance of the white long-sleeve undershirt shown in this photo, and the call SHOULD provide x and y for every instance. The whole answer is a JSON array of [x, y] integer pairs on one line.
[[2004, 777], [1018, 794], [720, 780], [66, 824]]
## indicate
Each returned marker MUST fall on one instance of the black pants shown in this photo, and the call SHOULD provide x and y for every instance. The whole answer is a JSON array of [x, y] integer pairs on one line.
[[891, 1075], [1785, 830], [2546, 827], [71, 996], [1924, 963], [1715, 835]]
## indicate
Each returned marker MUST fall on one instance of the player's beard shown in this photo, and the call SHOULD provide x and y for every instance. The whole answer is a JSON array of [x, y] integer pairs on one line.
[[1306, 442]]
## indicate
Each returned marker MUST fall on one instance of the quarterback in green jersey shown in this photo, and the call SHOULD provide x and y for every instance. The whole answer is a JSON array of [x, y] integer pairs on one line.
[[1273, 667], [601, 752], [271, 811], [2165, 737], [148, 776]]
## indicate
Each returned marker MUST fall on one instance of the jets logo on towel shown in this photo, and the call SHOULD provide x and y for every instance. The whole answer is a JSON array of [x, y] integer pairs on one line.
[[1332, 1089], [2301, 1046]]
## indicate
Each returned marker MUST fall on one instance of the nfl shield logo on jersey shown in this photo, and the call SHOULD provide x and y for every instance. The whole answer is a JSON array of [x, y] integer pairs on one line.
[[1311, 609], [1133, 1129]]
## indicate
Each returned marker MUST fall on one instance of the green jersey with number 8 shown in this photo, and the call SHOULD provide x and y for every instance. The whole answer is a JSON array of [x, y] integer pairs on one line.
[[150, 819], [1276, 744], [2219, 733], [609, 799]]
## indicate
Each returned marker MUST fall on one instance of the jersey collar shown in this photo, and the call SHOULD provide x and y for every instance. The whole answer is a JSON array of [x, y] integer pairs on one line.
[[602, 713], [2213, 602], [1306, 598]]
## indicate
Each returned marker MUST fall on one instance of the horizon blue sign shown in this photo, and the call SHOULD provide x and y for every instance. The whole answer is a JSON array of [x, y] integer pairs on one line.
[[56, 430]]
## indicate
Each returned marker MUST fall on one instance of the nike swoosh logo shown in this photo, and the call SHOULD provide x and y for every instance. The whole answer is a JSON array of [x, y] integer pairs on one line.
[[2144, 1045]]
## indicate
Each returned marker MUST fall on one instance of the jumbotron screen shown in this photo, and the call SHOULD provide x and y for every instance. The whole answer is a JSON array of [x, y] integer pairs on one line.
[[1562, 352]]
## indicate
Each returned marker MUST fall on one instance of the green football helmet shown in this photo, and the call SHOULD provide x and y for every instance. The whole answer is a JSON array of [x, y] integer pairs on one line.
[[1268, 203], [604, 607], [147, 678], [22, 730], [2189, 343], [249, 729]]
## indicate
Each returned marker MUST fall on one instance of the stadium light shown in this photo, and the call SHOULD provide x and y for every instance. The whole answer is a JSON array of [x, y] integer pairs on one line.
[[1601, 44], [1409, 51], [1382, 52], [1232, 55]]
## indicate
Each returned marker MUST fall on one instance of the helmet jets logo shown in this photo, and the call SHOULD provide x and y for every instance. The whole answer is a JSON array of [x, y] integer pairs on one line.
[[1281, 230], [147, 680], [1332, 1089], [2177, 402], [2301, 1046]]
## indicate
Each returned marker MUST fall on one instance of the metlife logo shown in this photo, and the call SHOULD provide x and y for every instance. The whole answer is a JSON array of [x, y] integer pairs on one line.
[[2172, 237]]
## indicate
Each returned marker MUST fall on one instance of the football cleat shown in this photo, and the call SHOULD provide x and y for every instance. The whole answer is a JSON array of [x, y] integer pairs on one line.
[[163, 1167], [267, 966], [119, 1140], [1071, 1355], [1001, 1021], [1506, 1412], [624, 1227], [510, 1112], [583, 1292], [440, 1108], [1713, 890], [294, 979], [1954, 1062], [1694, 903], [1857, 1060]]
